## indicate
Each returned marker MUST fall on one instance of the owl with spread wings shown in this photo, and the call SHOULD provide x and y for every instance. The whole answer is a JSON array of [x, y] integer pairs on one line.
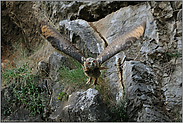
[[91, 66]]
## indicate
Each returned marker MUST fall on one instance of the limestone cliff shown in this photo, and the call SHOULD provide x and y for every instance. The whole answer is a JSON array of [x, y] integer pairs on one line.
[[148, 75]]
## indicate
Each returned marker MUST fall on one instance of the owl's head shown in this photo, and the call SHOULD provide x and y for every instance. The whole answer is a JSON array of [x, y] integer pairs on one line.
[[91, 63]]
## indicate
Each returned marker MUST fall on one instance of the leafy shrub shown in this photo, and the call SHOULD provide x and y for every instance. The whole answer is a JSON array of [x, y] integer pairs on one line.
[[24, 89]]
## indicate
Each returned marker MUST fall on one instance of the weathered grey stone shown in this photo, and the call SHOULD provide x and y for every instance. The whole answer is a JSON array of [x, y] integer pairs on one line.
[[179, 15], [167, 9], [46, 86], [85, 106], [142, 92], [163, 34], [43, 69], [71, 10], [83, 36], [92, 11], [169, 30], [55, 61], [113, 76], [22, 115], [172, 89], [151, 114], [152, 53], [176, 5], [117, 24], [55, 105], [121, 21]]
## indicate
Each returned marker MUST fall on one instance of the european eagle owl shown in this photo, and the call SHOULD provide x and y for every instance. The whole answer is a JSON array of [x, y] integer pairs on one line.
[[92, 66]]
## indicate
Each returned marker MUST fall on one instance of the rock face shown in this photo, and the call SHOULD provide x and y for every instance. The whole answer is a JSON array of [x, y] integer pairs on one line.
[[172, 88], [72, 10], [55, 105], [126, 17], [148, 74], [20, 17], [83, 36], [142, 93], [19, 25], [85, 106]]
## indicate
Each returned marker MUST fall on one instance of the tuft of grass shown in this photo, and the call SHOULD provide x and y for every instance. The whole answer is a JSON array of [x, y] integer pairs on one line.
[[24, 90], [13, 74], [74, 77], [18, 46], [118, 112], [104, 89]]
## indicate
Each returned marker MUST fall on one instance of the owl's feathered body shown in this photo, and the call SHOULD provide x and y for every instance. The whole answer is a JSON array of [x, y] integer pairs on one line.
[[92, 66]]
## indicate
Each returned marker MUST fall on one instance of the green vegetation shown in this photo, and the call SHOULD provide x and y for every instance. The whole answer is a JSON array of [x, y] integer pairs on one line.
[[176, 54], [18, 46], [178, 117], [24, 90], [61, 95], [104, 89], [77, 79], [118, 112], [74, 77]]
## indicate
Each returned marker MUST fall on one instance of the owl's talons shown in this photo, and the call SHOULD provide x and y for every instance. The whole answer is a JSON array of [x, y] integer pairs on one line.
[[88, 82], [95, 82]]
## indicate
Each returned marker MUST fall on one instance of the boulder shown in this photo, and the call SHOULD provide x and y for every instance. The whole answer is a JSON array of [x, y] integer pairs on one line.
[[85, 106], [22, 115], [83, 36], [152, 85], [55, 61]]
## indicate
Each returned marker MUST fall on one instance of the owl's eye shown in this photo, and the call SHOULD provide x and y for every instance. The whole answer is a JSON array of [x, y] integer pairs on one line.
[[94, 61], [89, 63]]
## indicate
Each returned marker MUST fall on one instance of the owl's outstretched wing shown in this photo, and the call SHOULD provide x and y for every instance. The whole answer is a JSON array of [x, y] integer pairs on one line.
[[122, 42], [59, 42]]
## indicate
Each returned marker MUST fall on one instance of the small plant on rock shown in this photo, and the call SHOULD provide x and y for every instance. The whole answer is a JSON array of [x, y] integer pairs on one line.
[[62, 95], [176, 54]]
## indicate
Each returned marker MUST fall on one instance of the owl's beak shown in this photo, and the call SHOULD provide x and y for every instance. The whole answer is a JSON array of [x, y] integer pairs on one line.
[[93, 64]]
